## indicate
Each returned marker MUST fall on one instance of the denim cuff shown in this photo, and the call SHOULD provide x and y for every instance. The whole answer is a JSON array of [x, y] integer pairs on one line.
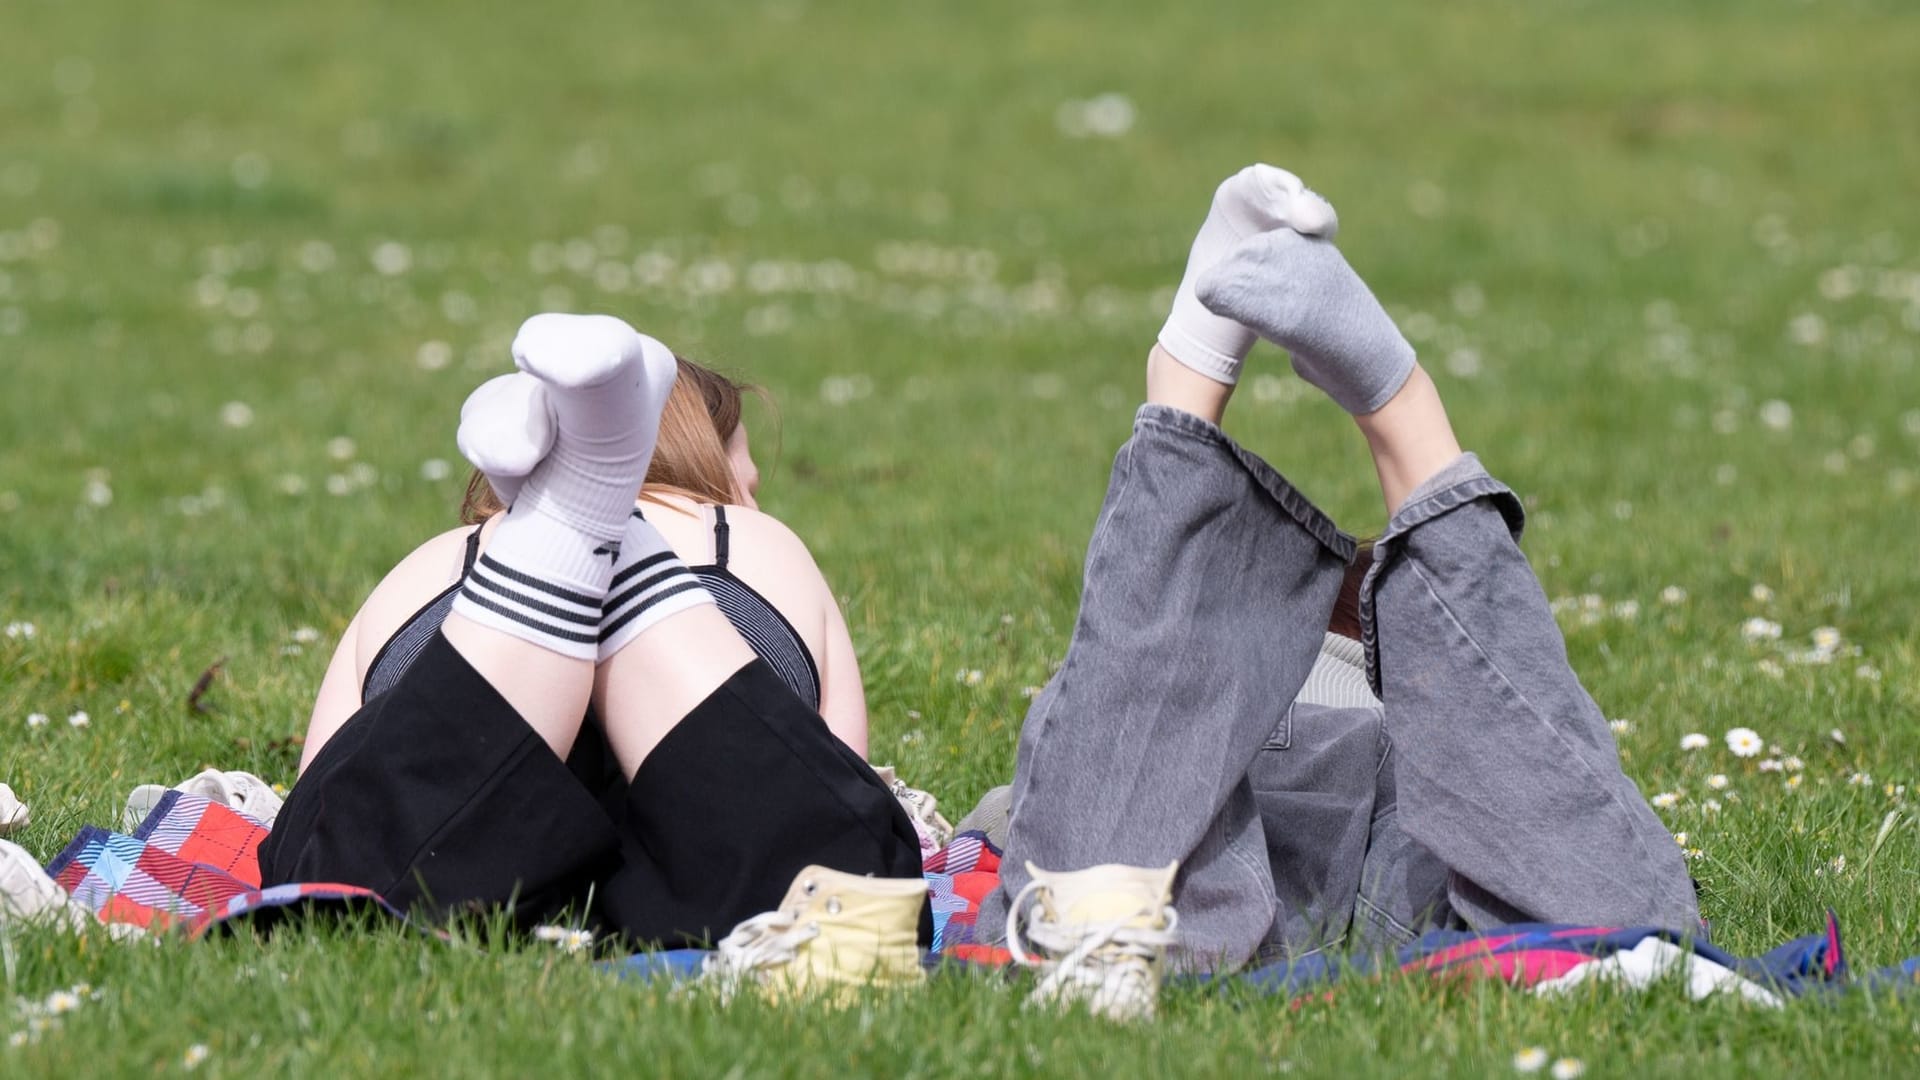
[[1462, 481], [1179, 422]]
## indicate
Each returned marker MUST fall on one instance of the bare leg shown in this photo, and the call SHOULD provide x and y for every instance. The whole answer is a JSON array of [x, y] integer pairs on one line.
[[548, 690], [1410, 437], [649, 686], [1173, 384]]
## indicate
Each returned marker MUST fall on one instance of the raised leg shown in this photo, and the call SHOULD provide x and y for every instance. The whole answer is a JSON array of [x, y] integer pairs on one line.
[[1504, 766], [1209, 580]]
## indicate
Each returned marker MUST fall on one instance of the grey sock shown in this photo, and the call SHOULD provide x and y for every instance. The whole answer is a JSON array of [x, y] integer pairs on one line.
[[1299, 293]]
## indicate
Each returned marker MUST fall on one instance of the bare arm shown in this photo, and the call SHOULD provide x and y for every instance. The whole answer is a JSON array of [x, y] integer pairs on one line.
[[339, 696], [843, 697], [417, 579], [770, 557]]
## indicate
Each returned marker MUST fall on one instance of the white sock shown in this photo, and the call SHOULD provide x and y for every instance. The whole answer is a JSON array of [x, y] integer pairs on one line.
[[506, 429], [1300, 294], [544, 575], [1254, 200], [649, 584]]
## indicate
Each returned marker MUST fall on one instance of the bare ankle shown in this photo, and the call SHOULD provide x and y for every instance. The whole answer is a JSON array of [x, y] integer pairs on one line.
[[1173, 384], [1411, 438]]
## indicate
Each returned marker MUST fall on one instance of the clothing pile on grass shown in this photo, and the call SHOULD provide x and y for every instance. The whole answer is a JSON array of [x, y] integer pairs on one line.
[[189, 866]]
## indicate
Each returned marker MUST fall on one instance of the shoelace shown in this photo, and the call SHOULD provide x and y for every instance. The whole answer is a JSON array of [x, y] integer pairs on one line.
[[1090, 949], [765, 941]]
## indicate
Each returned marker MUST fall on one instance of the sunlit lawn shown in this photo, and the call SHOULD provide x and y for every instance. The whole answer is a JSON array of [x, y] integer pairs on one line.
[[1664, 260]]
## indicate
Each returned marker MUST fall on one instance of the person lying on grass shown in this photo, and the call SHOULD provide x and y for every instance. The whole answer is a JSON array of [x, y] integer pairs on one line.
[[1209, 748], [593, 731], [699, 493]]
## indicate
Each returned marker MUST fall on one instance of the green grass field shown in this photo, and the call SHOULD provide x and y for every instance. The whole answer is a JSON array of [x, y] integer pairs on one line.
[[1663, 258]]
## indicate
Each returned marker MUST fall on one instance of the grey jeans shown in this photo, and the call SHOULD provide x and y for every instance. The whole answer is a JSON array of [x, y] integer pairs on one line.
[[1484, 788]]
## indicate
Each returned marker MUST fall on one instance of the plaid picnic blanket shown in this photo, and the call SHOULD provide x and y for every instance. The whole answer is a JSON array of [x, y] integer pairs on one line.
[[192, 866]]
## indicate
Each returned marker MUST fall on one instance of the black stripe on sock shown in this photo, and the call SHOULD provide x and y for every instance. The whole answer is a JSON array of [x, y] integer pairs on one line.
[[613, 627], [614, 603], [535, 583], [471, 597], [626, 575], [529, 602]]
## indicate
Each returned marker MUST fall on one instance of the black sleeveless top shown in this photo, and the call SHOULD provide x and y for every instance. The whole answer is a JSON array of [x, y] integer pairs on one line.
[[760, 624]]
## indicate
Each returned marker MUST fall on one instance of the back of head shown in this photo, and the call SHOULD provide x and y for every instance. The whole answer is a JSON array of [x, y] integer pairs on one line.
[[690, 458]]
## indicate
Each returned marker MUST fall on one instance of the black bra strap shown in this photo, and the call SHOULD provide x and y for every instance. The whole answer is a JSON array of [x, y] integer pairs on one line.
[[473, 552], [720, 536]]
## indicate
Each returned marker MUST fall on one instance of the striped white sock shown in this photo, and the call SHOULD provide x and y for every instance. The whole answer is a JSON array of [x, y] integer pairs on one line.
[[649, 584], [545, 574], [506, 430]]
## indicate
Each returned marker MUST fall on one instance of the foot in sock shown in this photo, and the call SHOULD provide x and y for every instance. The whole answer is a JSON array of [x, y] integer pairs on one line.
[[1254, 200], [545, 574], [506, 429], [1299, 293]]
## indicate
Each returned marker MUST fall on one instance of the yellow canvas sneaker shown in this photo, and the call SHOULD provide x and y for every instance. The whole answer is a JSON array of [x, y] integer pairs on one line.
[[1101, 933], [834, 932]]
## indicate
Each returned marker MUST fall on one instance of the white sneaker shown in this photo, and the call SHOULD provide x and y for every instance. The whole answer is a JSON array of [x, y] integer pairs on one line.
[[1105, 932], [834, 932], [242, 791], [935, 831], [28, 895], [14, 814]]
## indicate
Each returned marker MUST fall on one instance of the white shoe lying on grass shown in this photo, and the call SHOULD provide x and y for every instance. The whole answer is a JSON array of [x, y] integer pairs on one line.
[[1104, 932], [242, 791], [14, 814], [28, 895]]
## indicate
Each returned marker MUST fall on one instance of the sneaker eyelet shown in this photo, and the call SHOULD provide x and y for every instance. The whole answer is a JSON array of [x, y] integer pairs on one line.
[[833, 905], [809, 888]]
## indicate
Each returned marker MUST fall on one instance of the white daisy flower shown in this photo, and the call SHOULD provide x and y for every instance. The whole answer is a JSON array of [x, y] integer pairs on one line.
[[1530, 1059], [1672, 595], [1710, 806], [1793, 764], [1759, 629], [1761, 593], [38, 719], [1620, 727], [1567, 1068], [1665, 800], [1718, 781], [79, 719], [1693, 740], [1860, 779], [195, 1054], [1744, 742], [1772, 765]]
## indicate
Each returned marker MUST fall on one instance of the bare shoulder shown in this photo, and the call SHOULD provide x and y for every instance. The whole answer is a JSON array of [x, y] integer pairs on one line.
[[423, 574], [760, 538], [772, 558]]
